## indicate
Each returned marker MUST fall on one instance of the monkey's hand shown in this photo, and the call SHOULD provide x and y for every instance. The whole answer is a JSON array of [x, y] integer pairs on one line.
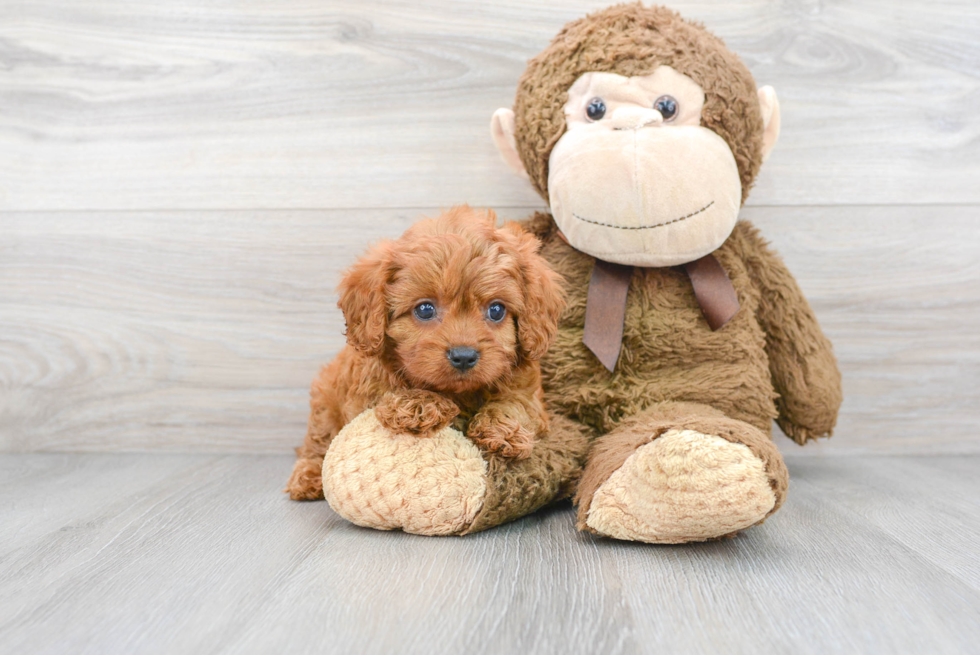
[[496, 432], [415, 411], [801, 360]]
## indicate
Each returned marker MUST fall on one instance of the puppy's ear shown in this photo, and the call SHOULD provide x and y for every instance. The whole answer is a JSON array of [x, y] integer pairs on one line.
[[544, 298], [363, 299]]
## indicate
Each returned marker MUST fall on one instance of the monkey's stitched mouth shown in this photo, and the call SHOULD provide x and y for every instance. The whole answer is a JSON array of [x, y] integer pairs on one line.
[[644, 227]]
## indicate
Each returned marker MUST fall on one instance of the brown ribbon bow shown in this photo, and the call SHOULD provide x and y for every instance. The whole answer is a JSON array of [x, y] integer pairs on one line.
[[605, 309]]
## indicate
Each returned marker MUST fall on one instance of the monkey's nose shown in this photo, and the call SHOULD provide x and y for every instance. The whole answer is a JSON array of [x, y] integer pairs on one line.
[[633, 118], [463, 358]]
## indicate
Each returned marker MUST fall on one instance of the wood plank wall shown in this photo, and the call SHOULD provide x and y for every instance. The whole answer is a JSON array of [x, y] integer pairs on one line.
[[181, 183]]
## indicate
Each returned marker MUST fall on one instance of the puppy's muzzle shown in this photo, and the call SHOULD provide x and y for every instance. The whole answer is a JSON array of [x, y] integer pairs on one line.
[[463, 358]]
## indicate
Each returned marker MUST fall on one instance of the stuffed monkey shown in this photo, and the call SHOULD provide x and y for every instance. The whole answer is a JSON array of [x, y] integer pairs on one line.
[[685, 336]]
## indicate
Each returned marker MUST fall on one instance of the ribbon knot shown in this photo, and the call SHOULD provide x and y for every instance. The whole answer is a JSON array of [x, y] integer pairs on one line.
[[605, 308]]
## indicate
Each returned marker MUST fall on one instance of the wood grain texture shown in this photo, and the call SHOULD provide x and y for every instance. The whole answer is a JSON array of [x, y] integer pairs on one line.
[[277, 104], [201, 331], [181, 184], [201, 554], [897, 290]]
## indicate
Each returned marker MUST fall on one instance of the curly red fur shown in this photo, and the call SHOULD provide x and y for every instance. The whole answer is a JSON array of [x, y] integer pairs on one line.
[[417, 411], [461, 262]]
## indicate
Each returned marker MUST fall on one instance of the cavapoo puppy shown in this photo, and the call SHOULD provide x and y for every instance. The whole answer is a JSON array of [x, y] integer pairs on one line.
[[445, 325]]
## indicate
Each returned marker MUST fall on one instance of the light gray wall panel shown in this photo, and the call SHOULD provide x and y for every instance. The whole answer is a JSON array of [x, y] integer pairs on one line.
[[274, 104], [202, 330]]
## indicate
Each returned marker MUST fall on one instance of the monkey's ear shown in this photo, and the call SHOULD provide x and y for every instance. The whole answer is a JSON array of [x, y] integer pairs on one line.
[[363, 300], [770, 119], [502, 131]]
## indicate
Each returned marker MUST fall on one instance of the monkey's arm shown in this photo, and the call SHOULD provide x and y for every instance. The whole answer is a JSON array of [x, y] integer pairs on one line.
[[801, 360]]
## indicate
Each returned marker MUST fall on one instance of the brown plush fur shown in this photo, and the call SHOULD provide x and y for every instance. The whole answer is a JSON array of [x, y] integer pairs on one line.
[[634, 40], [771, 361], [460, 262], [516, 487]]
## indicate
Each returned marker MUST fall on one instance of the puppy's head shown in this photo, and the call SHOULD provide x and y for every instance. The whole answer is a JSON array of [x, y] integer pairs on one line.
[[455, 303]]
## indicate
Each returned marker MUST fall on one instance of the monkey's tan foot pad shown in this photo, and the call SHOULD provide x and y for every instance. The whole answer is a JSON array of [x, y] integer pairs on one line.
[[424, 485], [684, 486]]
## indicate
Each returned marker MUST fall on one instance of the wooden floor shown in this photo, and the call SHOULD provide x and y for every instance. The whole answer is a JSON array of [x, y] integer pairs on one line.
[[200, 554]]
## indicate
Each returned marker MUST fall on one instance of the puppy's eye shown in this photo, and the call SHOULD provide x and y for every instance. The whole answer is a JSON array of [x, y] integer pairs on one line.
[[425, 311], [496, 312], [596, 109], [667, 107]]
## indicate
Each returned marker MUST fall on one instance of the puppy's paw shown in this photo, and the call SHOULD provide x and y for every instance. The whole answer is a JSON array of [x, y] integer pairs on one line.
[[501, 435], [415, 411], [306, 482]]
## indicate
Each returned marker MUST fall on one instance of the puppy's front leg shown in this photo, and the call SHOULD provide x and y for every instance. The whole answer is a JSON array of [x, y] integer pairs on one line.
[[415, 411], [507, 426]]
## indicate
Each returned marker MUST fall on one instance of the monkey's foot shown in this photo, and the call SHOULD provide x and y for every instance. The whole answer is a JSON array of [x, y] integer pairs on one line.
[[379, 479], [683, 486]]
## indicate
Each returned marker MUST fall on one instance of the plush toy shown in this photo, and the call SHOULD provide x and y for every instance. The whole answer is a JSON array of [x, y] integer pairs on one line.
[[684, 334]]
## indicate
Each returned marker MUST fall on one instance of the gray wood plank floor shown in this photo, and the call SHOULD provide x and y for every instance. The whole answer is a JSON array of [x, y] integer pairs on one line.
[[201, 554]]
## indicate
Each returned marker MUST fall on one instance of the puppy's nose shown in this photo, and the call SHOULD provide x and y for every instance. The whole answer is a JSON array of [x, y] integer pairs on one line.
[[463, 358]]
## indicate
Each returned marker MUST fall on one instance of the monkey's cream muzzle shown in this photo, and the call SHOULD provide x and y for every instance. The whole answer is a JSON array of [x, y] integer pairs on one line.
[[653, 196], [634, 188]]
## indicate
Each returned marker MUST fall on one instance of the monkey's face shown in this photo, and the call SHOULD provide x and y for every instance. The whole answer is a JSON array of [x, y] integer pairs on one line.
[[635, 178]]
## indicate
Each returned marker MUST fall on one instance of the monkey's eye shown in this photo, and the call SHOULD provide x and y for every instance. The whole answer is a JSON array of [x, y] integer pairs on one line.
[[425, 311], [496, 312], [596, 109], [667, 107]]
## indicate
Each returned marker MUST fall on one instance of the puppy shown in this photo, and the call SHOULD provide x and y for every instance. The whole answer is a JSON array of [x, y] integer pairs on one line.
[[444, 326]]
